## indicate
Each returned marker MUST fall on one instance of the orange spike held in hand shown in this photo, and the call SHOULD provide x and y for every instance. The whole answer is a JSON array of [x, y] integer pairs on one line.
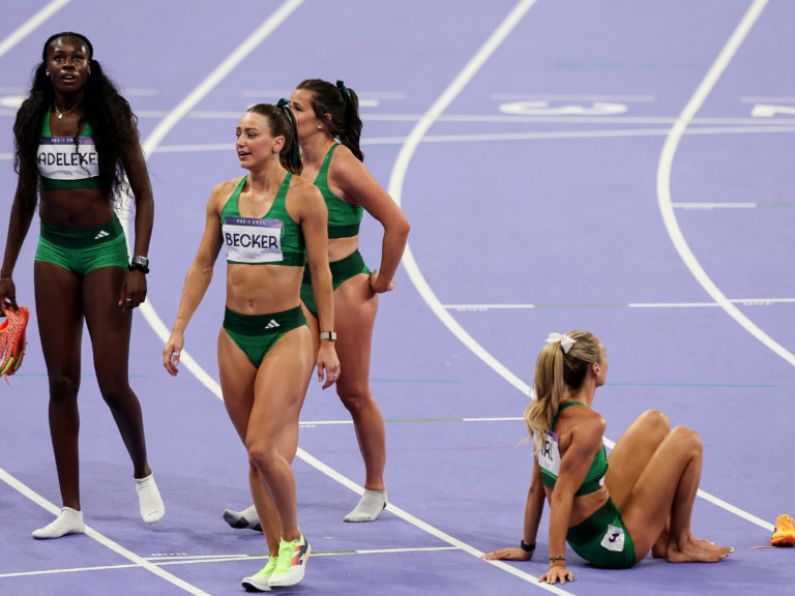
[[12, 339]]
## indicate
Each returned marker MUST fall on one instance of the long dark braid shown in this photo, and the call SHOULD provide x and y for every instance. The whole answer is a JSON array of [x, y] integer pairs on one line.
[[108, 113]]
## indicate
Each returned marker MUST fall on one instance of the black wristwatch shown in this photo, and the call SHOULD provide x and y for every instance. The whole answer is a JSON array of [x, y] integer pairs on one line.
[[139, 263]]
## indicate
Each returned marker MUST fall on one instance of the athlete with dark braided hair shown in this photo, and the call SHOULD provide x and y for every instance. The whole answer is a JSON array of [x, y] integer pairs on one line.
[[76, 140]]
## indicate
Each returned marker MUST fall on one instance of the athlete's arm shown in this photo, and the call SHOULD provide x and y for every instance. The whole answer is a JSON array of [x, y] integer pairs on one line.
[[586, 439], [314, 225], [533, 509], [22, 210], [198, 278], [359, 186], [134, 286]]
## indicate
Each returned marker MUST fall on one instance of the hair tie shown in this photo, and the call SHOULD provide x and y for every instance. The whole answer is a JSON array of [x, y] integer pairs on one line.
[[564, 340], [346, 93], [295, 156]]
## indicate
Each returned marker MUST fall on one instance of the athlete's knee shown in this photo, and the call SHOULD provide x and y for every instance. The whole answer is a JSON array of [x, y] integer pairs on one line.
[[654, 421], [355, 397], [115, 393], [261, 455], [63, 387], [687, 439]]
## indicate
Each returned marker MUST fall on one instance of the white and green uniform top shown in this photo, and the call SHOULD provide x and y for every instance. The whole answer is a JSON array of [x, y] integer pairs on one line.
[[64, 164]]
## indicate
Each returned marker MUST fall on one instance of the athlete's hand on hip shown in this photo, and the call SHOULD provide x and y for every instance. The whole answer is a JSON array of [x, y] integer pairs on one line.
[[378, 286], [171, 353], [8, 293], [328, 365], [557, 573], [133, 290], [508, 554]]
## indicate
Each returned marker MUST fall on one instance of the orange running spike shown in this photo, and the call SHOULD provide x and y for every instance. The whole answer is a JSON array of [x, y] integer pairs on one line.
[[12, 339], [784, 535]]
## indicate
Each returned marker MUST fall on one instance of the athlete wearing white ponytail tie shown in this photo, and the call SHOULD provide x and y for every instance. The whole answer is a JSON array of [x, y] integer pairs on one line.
[[611, 517]]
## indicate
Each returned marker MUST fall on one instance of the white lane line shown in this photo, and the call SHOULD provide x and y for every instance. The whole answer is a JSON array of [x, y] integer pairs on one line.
[[208, 559], [665, 167], [30, 25], [414, 272], [711, 206], [502, 137], [568, 97], [162, 331], [32, 495], [529, 306], [258, 93]]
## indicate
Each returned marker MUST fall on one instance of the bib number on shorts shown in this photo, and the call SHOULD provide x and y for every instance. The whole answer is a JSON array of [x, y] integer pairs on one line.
[[613, 540]]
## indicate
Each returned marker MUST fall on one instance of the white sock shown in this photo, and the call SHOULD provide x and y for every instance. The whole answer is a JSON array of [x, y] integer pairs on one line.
[[369, 507], [69, 521], [149, 501], [243, 519]]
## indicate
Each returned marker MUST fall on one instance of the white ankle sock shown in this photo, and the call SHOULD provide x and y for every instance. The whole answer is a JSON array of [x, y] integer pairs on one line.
[[69, 521], [243, 519], [149, 501], [369, 507]]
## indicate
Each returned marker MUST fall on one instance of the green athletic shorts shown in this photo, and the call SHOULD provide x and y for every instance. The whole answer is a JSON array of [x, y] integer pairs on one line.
[[256, 334], [82, 250], [341, 271], [603, 540]]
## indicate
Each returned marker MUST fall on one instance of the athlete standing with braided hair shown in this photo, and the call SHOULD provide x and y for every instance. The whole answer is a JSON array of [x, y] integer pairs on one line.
[[272, 222], [76, 140], [612, 518], [329, 127]]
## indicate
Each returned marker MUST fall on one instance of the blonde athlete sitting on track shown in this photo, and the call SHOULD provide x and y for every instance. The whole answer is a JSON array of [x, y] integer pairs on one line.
[[610, 518], [329, 126], [270, 220]]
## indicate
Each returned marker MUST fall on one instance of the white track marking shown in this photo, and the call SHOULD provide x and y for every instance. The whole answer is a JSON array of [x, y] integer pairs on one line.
[[665, 167], [414, 272], [568, 97], [741, 301], [208, 559], [160, 329], [32, 495], [30, 25]]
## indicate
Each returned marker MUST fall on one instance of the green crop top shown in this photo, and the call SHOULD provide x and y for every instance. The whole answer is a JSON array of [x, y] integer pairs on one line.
[[343, 218], [549, 459], [274, 239]]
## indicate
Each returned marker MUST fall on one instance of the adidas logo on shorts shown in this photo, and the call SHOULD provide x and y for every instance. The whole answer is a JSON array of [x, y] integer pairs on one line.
[[272, 324], [102, 234]]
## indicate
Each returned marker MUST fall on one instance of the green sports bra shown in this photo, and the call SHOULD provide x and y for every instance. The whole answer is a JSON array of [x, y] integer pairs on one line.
[[274, 239], [549, 459], [343, 218]]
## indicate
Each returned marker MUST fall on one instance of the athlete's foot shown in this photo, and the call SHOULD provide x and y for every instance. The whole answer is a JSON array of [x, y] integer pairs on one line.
[[784, 534], [369, 506], [291, 565], [243, 519], [691, 550], [150, 503], [69, 521], [259, 581]]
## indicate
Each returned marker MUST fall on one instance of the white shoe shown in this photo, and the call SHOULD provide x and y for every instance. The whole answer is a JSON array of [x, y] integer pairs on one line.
[[259, 581]]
